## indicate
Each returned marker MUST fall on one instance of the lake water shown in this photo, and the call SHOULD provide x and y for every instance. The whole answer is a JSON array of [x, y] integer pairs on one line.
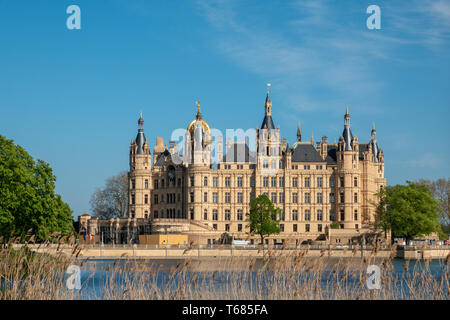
[[220, 281]]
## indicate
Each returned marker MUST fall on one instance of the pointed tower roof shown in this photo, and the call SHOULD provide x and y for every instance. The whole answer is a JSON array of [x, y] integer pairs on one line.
[[140, 138], [373, 142], [299, 133], [347, 133], [268, 122]]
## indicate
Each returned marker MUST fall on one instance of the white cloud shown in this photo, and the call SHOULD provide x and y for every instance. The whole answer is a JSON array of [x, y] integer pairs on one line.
[[326, 54]]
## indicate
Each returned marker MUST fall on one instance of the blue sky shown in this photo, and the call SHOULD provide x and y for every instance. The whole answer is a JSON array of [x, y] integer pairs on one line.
[[72, 97]]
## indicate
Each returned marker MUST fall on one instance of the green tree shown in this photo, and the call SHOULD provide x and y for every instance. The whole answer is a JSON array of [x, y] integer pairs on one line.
[[334, 225], [112, 200], [27, 196], [263, 217], [408, 211], [440, 190]]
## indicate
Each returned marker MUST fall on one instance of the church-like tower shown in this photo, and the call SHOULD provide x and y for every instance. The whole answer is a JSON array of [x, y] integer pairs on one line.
[[140, 177], [268, 142]]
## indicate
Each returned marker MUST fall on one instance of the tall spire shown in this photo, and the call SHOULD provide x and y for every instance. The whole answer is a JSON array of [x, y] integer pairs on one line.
[[268, 103], [312, 138], [140, 123], [268, 122], [299, 133], [374, 132], [347, 118], [140, 138], [347, 134]]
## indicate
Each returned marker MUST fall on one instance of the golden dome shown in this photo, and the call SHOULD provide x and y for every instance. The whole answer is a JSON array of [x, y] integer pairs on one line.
[[205, 125]]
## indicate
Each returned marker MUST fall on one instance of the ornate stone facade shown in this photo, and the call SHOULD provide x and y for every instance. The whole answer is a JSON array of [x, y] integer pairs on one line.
[[314, 184]]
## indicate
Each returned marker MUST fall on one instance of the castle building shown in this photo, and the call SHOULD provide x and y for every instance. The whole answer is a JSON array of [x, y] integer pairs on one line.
[[313, 183]]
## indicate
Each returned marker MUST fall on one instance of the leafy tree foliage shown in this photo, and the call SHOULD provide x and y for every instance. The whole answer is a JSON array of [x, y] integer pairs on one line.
[[27, 196], [263, 217], [112, 200], [334, 225], [440, 190], [408, 211]]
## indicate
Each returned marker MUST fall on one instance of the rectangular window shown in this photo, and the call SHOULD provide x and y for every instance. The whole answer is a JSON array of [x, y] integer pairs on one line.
[[227, 228], [281, 196], [332, 217], [155, 199], [319, 228], [215, 182], [306, 227], [240, 216], [252, 181], [239, 181], [294, 228], [192, 180], [252, 196], [331, 181], [273, 181], [205, 181], [332, 197], [155, 214], [319, 197], [356, 215], [239, 197], [273, 197], [282, 216], [356, 197], [355, 181], [155, 183], [146, 184], [307, 215], [227, 181], [192, 196], [294, 182], [133, 199], [214, 214], [307, 182], [215, 197], [294, 197], [282, 227], [294, 215], [133, 184], [342, 182], [239, 227], [146, 199], [227, 197], [307, 197], [342, 215], [265, 181], [319, 215], [342, 197], [205, 197], [227, 215], [215, 226], [281, 181], [205, 214], [319, 182]]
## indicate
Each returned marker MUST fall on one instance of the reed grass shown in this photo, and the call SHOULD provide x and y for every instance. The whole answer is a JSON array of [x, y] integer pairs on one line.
[[277, 276]]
